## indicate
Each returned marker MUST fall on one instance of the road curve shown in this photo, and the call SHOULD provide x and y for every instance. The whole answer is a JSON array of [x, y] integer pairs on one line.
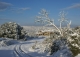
[[19, 52]]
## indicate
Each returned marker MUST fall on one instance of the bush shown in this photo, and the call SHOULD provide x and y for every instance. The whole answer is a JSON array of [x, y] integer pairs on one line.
[[58, 44], [12, 30]]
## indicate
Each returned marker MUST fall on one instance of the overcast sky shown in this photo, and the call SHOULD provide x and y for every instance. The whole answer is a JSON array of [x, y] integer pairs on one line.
[[25, 11]]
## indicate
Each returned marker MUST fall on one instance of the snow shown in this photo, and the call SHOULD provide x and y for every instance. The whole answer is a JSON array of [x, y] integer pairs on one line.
[[14, 48], [78, 55], [62, 53], [75, 34]]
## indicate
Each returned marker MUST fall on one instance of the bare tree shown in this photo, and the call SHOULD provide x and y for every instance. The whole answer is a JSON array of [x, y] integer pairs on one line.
[[44, 18], [62, 19], [68, 25]]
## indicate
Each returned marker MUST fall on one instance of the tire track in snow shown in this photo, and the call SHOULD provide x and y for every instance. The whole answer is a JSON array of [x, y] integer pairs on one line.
[[19, 52], [16, 52], [24, 52]]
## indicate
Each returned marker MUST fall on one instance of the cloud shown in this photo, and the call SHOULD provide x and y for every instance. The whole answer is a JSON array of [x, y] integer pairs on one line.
[[75, 6], [19, 10], [4, 5], [24, 8]]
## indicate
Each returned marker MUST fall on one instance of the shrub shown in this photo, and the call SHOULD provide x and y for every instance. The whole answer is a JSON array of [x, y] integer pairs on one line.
[[12, 30]]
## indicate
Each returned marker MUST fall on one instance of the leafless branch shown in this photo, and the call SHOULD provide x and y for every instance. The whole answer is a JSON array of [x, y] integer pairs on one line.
[[44, 18]]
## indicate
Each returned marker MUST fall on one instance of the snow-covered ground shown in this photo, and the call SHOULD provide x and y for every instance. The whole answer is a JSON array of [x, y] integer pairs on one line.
[[20, 48], [14, 48]]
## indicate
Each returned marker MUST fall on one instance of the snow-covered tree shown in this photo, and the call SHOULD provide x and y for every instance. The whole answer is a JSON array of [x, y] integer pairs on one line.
[[62, 18], [44, 18], [12, 30], [68, 40]]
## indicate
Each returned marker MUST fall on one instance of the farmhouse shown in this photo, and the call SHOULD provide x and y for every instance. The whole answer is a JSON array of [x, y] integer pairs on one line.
[[45, 33]]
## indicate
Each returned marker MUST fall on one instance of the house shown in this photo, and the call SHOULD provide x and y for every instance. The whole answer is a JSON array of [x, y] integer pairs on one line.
[[45, 33]]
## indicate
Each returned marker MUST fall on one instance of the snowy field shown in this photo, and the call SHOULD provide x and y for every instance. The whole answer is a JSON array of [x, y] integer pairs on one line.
[[19, 48]]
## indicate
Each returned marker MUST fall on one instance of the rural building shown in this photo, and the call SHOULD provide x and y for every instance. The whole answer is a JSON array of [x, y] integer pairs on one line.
[[45, 33]]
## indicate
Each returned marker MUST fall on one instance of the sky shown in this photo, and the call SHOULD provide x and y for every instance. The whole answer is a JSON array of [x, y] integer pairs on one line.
[[24, 12]]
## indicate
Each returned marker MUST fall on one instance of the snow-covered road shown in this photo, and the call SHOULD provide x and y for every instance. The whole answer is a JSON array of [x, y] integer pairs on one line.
[[19, 52], [19, 49]]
